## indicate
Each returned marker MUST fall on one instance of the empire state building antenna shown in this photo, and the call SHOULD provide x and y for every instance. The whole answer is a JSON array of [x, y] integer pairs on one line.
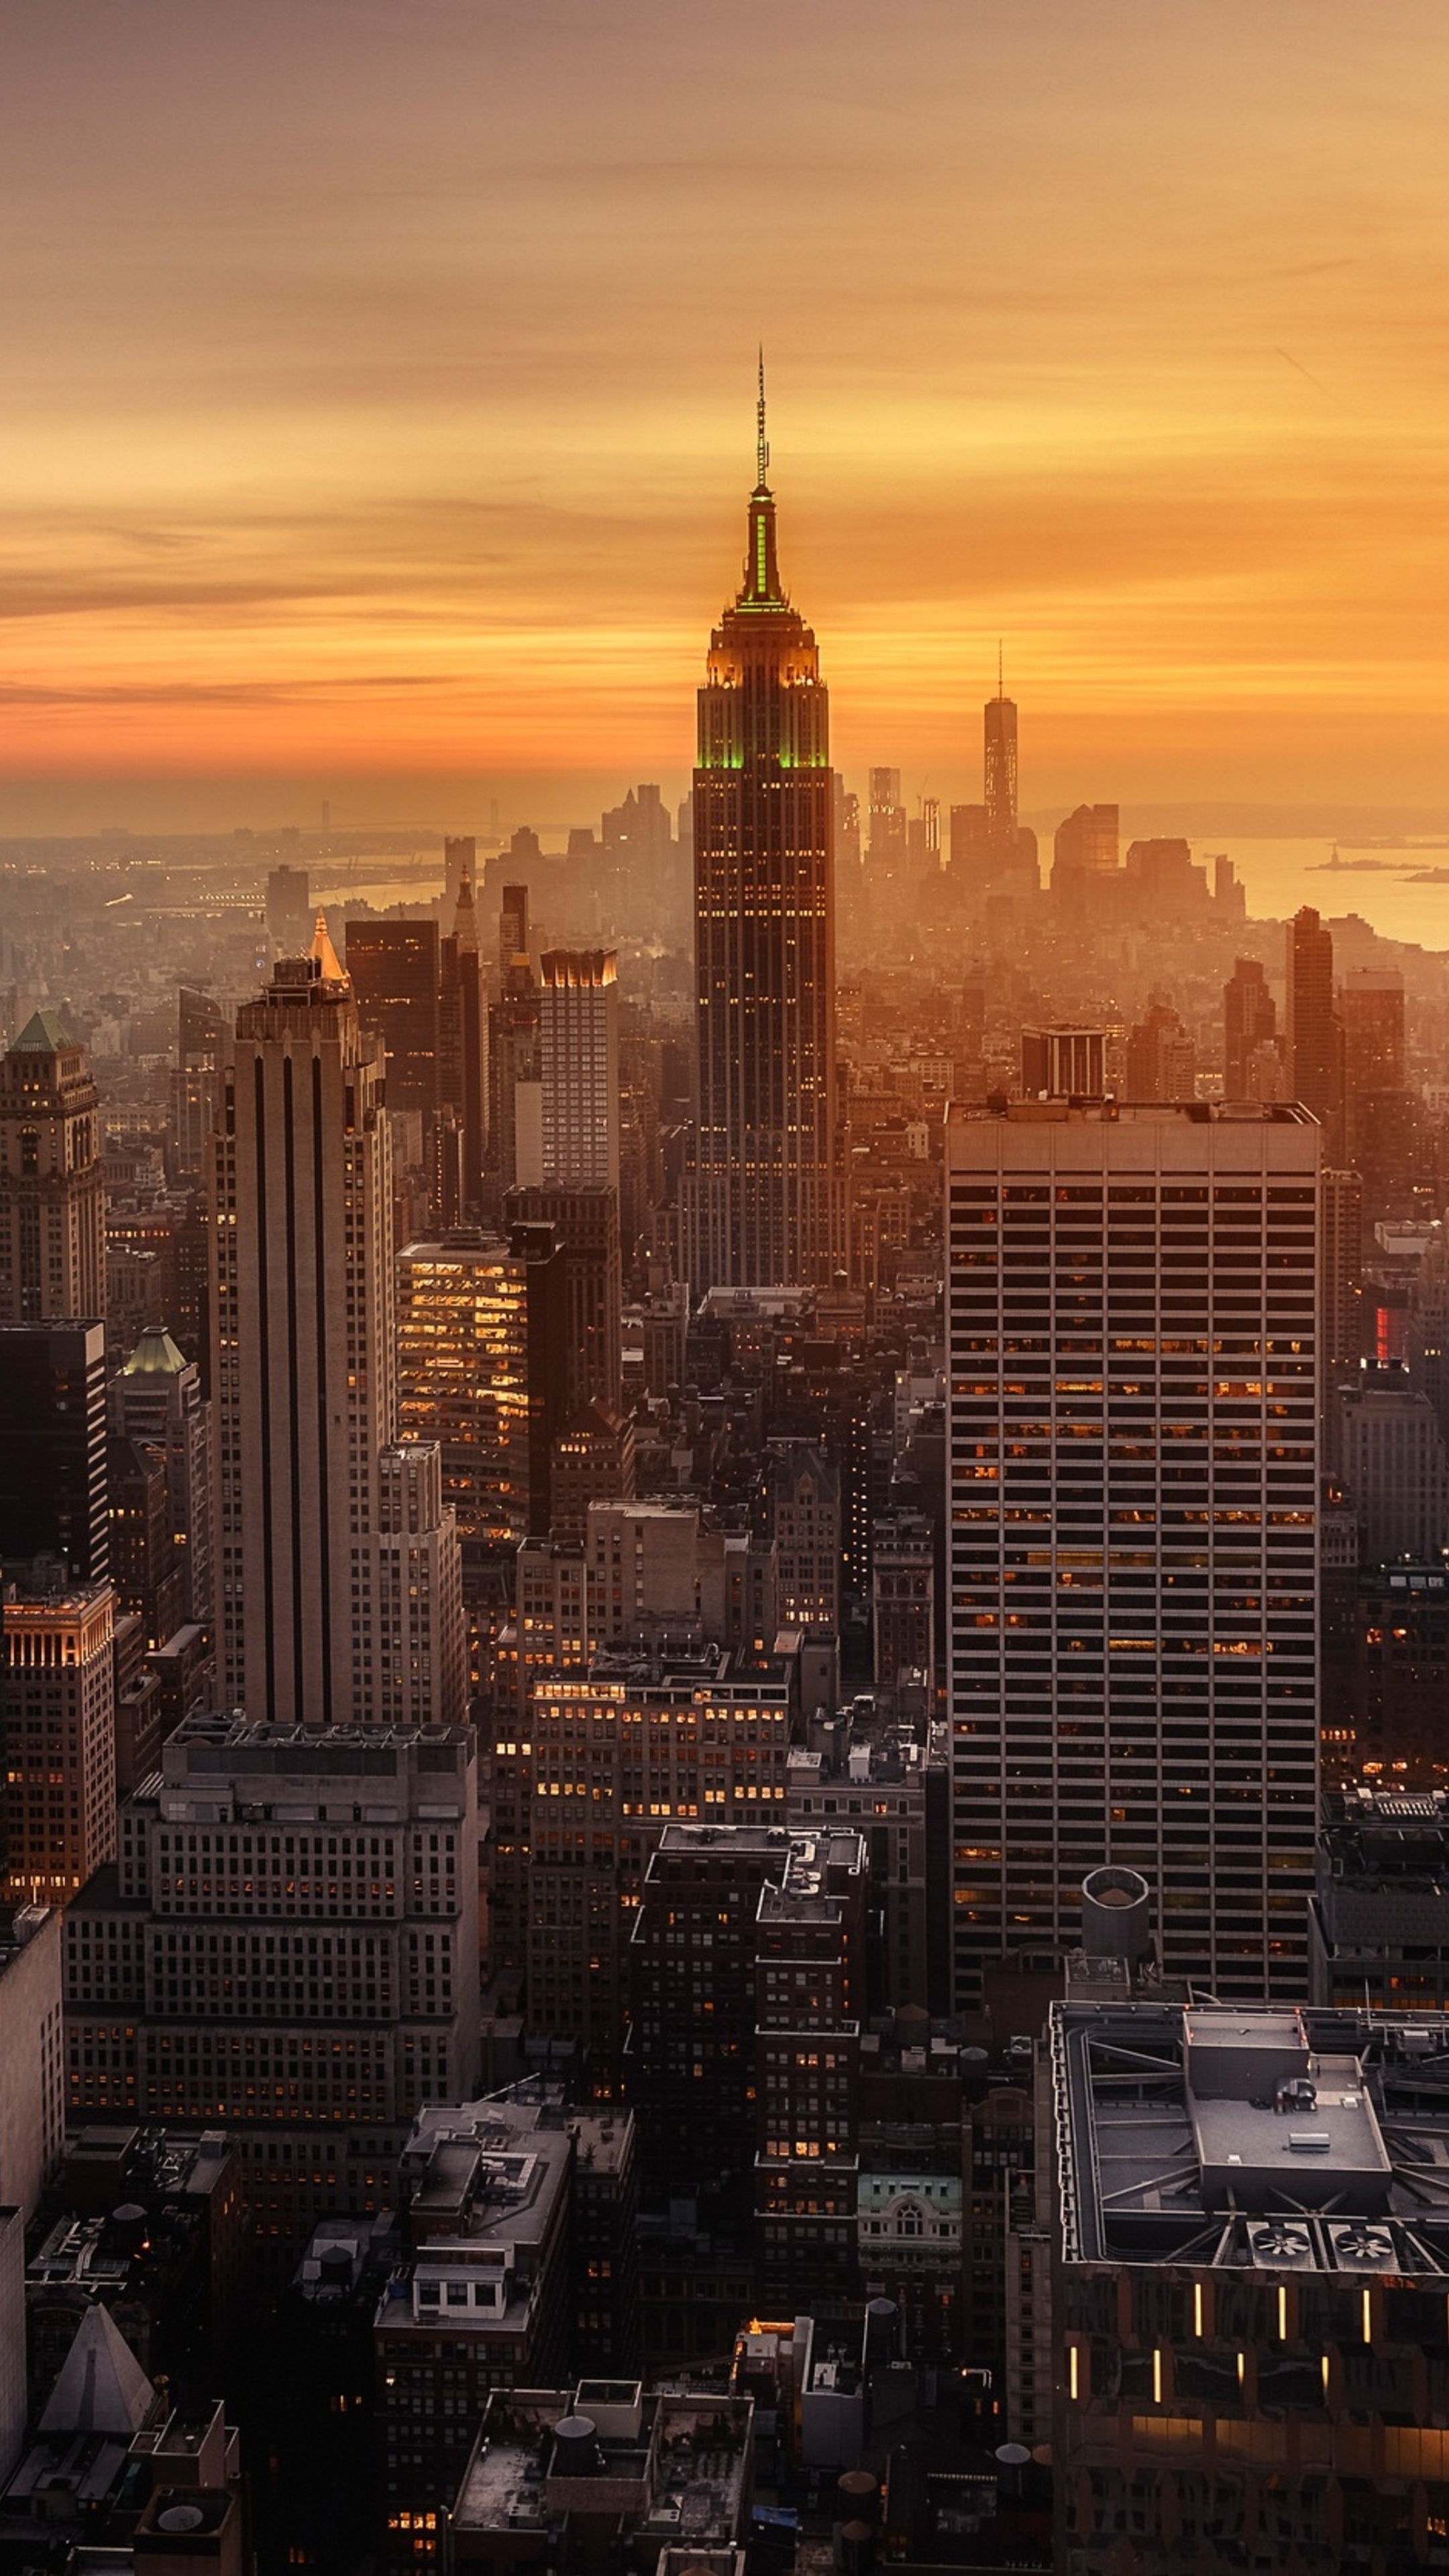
[[762, 442]]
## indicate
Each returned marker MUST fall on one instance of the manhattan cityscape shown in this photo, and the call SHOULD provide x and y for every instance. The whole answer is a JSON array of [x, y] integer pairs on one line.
[[724, 1294]]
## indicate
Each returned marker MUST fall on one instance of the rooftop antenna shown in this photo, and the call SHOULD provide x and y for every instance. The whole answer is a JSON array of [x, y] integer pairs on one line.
[[1000, 668], [762, 443]]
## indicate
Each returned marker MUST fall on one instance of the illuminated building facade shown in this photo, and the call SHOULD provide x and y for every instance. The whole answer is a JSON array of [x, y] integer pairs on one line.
[[1132, 1486], [462, 1330], [763, 1203]]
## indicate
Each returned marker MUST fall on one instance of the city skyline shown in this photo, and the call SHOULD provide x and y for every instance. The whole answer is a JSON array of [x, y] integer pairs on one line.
[[347, 533]]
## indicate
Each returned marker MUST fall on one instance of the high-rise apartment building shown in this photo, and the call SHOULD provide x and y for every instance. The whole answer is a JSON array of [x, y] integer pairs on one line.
[[393, 967], [53, 1446], [57, 1718], [52, 1258], [287, 1947], [302, 1339], [1133, 1489], [763, 1202]]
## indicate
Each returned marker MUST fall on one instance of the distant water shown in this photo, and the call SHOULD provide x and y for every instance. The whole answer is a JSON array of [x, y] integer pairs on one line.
[[1282, 875], [417, 889]]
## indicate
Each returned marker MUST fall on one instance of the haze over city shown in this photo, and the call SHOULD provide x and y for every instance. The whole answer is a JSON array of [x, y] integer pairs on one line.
[[724, 1289]]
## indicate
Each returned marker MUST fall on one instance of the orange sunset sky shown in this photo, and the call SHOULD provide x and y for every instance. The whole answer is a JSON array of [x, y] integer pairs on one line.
[[377, 411]]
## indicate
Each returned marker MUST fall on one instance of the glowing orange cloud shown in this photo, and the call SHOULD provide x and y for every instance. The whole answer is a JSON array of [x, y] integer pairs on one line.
[[380, 387]]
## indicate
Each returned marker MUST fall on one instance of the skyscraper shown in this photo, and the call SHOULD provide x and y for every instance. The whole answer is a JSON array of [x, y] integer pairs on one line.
[[156, 1397], [1315, 1033], [1133, 1507], [763, 1203], [462, 1063], [578, 1068], [202, 1039], [1250, 1027], [460, 863], [393, 969], [515, 1142], [1086, 848], [302, 1351], [53, 1446], [999, 714], [51, 1220], [57, 1709]]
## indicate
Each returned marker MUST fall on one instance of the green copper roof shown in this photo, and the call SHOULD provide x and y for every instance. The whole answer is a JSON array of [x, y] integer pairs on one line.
[[45, 1033], [155, 1355]]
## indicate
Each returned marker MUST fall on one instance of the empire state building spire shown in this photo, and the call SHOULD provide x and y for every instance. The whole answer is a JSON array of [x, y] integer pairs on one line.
[[763, 1203], [761, 585]]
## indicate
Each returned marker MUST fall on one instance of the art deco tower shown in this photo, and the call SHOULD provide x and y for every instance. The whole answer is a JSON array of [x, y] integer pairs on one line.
[[52, 1259], [302, 1361], [763, 1204]]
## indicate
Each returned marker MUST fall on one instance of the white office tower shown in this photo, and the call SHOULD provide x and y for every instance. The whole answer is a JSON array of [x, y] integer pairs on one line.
[[303, 1355], [568, 1121], [1133, 1548]]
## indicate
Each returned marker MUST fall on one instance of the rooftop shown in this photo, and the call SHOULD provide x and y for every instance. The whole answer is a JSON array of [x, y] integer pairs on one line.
[[1129, 1113], [673, 2468], [155, 1355], [1398, 1835], [1313, 2139], [45, 1033]]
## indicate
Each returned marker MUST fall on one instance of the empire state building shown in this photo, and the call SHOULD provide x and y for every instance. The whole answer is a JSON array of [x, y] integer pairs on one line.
[[763, 1203]]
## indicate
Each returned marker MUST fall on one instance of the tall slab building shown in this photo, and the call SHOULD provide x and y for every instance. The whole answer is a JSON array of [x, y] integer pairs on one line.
[[1132, 1325], [763, 1204], [303, 1353]]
